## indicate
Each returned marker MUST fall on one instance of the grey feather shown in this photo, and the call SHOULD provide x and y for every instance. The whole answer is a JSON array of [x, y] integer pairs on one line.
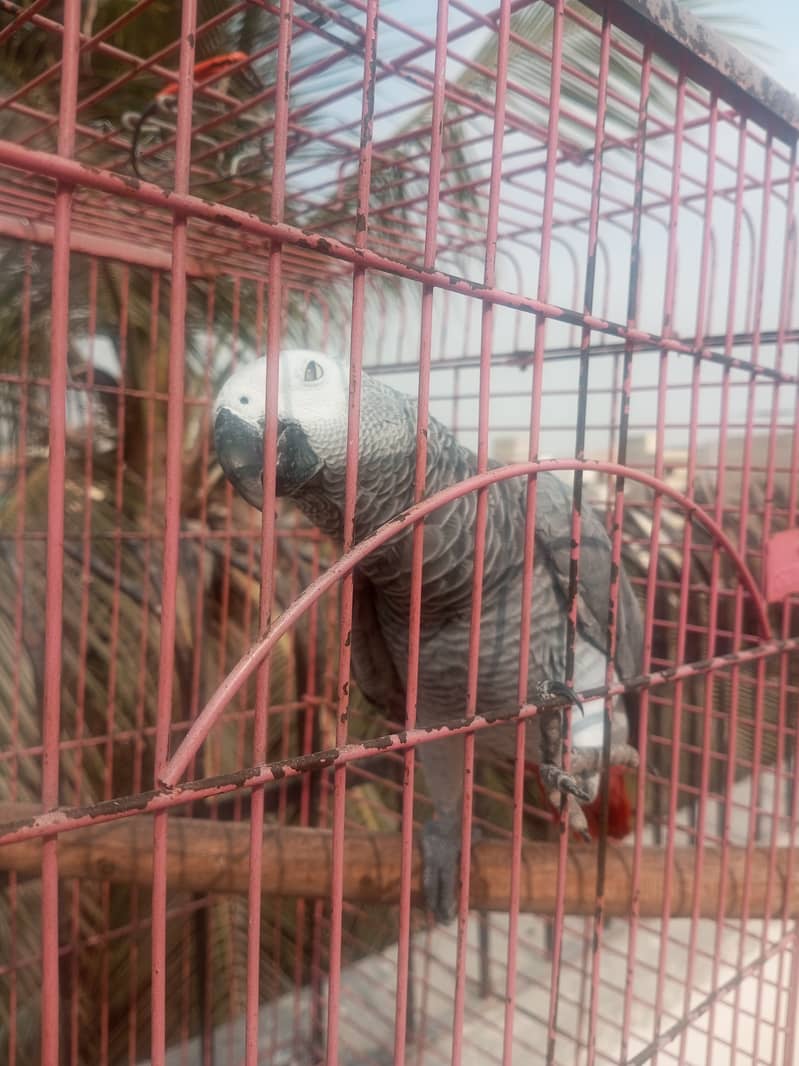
[[387, 459]]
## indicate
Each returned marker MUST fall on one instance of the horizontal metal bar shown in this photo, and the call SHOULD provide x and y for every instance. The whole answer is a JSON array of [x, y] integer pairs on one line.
[[122, 251], [68, 819], [523, 357], [71, 171]]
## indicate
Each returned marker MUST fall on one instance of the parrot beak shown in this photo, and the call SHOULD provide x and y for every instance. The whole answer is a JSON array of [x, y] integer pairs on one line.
[[240, 448], [297, 462]]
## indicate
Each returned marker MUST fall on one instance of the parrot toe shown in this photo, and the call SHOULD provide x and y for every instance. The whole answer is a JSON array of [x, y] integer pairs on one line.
[[556, 692], [578, 823], [557, 781]]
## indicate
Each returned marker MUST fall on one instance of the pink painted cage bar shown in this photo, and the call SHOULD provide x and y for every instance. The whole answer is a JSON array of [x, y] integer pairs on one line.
[[570, 231]]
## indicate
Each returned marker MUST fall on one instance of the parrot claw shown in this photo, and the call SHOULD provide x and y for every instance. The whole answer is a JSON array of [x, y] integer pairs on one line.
[[556, 692], [557, 781]]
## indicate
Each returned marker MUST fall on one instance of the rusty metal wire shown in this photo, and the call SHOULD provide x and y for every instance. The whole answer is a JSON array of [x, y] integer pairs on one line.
[[570, 231]]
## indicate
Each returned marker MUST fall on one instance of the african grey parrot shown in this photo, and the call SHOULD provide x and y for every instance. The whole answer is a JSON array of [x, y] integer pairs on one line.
[[311, 465]]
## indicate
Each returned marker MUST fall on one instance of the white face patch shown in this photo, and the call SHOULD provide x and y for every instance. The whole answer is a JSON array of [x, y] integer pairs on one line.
[[312, 390], [312, 401], [244, 392]]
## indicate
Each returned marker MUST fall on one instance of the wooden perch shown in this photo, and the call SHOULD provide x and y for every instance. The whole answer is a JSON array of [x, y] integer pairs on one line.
[[212, 856]]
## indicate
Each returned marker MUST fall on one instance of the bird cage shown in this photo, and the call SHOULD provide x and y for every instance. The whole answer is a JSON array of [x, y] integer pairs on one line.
[[567, 230]]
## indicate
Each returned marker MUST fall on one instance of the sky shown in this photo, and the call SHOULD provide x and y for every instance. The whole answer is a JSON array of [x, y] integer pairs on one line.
[[774, 48], [779, 20]]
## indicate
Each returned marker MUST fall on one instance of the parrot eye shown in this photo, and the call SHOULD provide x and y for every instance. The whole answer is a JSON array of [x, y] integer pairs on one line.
[[313, 371], [244, 400]]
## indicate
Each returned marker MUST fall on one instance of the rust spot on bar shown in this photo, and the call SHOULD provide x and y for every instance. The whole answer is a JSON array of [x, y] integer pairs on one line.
[[381, 743]]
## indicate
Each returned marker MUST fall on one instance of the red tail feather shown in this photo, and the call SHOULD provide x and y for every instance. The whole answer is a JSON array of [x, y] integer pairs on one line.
[[620, 811]]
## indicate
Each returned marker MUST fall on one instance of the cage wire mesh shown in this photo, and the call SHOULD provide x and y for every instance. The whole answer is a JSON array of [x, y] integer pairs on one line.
[[569, 229]]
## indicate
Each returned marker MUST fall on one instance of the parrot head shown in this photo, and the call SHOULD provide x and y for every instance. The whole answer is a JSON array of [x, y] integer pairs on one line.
[[312, 419], [311, 422]]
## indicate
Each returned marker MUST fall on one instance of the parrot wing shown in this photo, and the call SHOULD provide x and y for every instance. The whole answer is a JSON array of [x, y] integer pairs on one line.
[[372, 665], [553, 538]]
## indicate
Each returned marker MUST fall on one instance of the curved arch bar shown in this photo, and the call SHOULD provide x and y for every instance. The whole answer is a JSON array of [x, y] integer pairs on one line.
[[256, 654]]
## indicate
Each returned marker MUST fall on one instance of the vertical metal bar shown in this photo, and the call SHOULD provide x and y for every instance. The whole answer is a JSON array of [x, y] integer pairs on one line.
[[532, 486], [86, 537], [113, 640], [261, 715], [705, 277], [302, 910], [323, 819], [119, 472], [141, 696], [227, 562], [676, 728], [309, 719], [719, 512], [791, 1046], [786, 308], [768, 507], [581, 1037], [202, 920], [350, 494], [172, 495], [83, 646], [742, 546], [246, 620], [486, 348], [201, 547], [643, 708], [56, 476], [585, 339], [268, 539], [517, 832], [417, 559], [792, 1025], [19, 622]]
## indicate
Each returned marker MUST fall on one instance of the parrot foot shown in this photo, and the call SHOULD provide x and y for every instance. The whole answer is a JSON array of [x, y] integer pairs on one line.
[[559, 783], [556, 781], [441, 854]]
